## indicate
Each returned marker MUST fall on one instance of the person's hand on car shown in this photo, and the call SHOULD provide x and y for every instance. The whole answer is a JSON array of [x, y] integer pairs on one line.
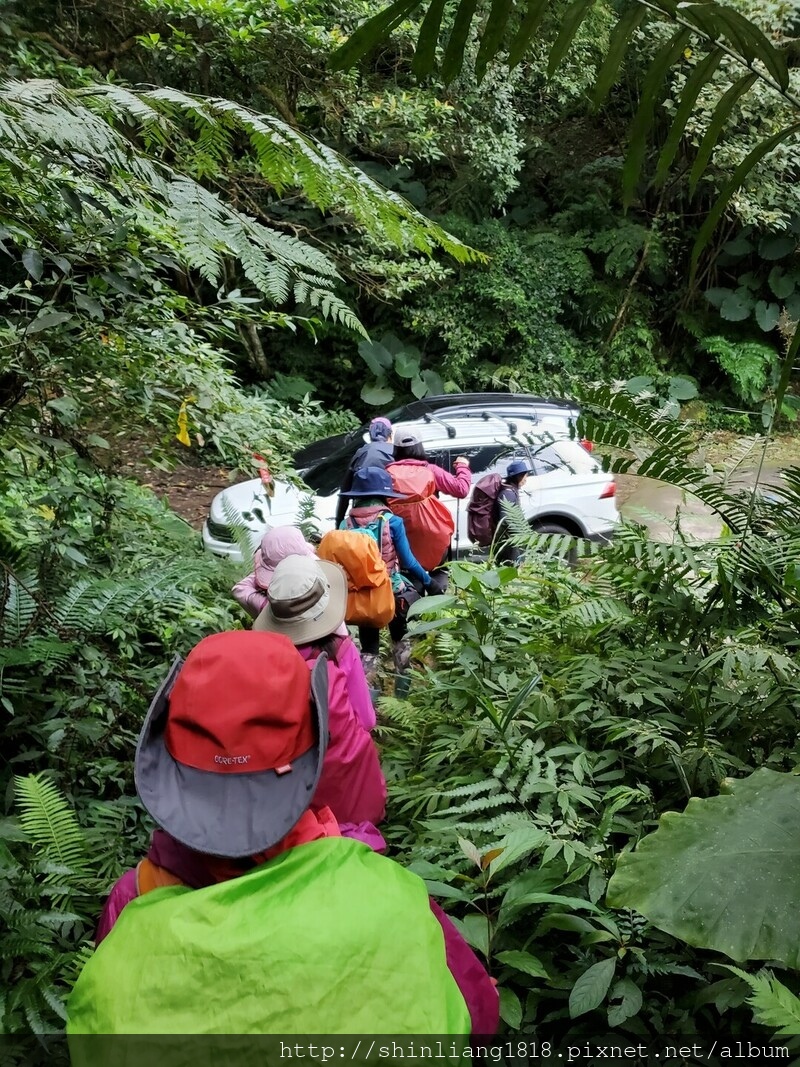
[[461, 459]]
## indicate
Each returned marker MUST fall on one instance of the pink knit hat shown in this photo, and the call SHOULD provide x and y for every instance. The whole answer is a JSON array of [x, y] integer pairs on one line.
[[277, 544]]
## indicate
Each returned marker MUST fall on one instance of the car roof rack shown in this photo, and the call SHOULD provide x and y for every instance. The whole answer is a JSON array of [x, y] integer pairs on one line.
[[430, 417]]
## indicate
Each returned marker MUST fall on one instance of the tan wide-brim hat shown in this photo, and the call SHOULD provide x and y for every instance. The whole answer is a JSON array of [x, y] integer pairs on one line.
[[307, 600]]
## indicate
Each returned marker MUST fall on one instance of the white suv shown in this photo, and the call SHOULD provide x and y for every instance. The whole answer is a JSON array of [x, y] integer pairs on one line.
[[567, 493]]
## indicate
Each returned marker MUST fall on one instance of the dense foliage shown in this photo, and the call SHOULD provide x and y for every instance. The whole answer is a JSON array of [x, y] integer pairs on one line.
[[199, 223]]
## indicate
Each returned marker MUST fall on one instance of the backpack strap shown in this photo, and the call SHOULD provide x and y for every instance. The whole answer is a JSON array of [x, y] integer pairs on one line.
[[150, 876]]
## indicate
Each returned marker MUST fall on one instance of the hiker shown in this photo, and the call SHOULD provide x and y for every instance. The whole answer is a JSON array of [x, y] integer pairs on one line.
[[251, 593], [266, 921], [307, 599], [486, 524], [377, 452], [429, 525], [276, 544], [370, 493], [515, 477]]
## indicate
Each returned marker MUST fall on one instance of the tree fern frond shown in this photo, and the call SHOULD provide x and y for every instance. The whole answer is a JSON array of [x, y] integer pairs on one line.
[[50, 823], [19, 606]]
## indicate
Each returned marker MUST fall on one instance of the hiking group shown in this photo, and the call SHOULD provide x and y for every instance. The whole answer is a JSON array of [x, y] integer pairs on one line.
[[256, 760]]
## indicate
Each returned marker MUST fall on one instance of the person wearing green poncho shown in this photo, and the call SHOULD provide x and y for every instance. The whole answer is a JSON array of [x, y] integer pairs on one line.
[[256, 916]]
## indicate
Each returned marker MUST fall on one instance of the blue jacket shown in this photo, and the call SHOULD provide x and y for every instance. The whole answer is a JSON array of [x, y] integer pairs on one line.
[[372, 454]]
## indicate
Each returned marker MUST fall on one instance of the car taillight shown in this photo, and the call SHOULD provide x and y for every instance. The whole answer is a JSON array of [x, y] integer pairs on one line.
[[609, 490], [587, 444]]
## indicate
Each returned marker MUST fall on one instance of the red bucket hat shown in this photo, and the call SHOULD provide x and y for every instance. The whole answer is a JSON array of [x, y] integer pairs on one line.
[[231, 750]]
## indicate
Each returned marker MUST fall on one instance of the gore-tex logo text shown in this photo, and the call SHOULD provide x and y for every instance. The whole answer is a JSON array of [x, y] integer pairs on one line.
[[227, 761]]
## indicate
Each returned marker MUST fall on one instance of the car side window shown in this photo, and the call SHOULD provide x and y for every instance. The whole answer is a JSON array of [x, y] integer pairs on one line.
[[546, 459], [500, 465], [481, 457]]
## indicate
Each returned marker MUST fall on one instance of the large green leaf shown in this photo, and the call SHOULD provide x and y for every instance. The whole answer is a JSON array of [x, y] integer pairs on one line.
[[697, 80], [454, 53], [369, 33], [654, 89], [723, 875], [493, 34], [570, 24], [737, 180], [719, 120], [620, 36]]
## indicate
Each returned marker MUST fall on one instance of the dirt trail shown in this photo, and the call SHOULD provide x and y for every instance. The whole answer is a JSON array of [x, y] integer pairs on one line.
[[188, 488]]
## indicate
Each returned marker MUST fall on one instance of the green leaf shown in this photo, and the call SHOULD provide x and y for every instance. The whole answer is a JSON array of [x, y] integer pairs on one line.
[[793, 305], [492, 36], [376, 356], [736, 307], [407, 365], [719, 121], [767, 315], [653, 90], [527, 28], [629, 996], [617, 46], [597, 884], [87, 303], [570, 24], [476, 930], [717, 295], [752, 159], [697, 80], [747, 847], [682, 389], [523, 961], [590, 990], [377, 394], [780, 283], [116, 281], [433, 381], [419, 388], [425, 54], [33, 263], [750, 41], [738, 247], [457, 42], [776, 246], [369, 33], [510, 1008], [640, 384], [48, 320]]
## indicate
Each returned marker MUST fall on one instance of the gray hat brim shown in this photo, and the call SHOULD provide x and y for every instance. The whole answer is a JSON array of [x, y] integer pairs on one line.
[[303, 631], [227, 814]]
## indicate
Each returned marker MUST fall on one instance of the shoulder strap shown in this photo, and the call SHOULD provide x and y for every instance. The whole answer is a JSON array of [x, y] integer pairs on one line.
[[150, 876]]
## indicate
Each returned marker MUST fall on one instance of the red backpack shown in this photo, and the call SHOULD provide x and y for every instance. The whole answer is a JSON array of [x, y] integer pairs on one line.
[[429, 525], [482, 510]]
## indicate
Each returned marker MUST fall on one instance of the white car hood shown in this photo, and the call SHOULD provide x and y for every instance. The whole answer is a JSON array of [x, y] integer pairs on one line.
[[259, 512]]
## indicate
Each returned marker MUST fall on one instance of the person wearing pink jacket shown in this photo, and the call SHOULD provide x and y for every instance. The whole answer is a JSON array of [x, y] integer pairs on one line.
[[251, 593], [276, 544], [307, 603]]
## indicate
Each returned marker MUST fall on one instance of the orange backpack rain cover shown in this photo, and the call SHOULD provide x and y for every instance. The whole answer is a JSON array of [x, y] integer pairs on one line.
[[429, 525], [370, 600]]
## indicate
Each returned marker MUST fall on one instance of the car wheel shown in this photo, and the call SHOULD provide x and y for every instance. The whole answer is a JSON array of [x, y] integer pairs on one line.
[[570, 557]]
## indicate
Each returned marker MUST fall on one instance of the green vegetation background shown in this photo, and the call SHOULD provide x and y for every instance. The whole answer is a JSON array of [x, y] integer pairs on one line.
[[198, 233]]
